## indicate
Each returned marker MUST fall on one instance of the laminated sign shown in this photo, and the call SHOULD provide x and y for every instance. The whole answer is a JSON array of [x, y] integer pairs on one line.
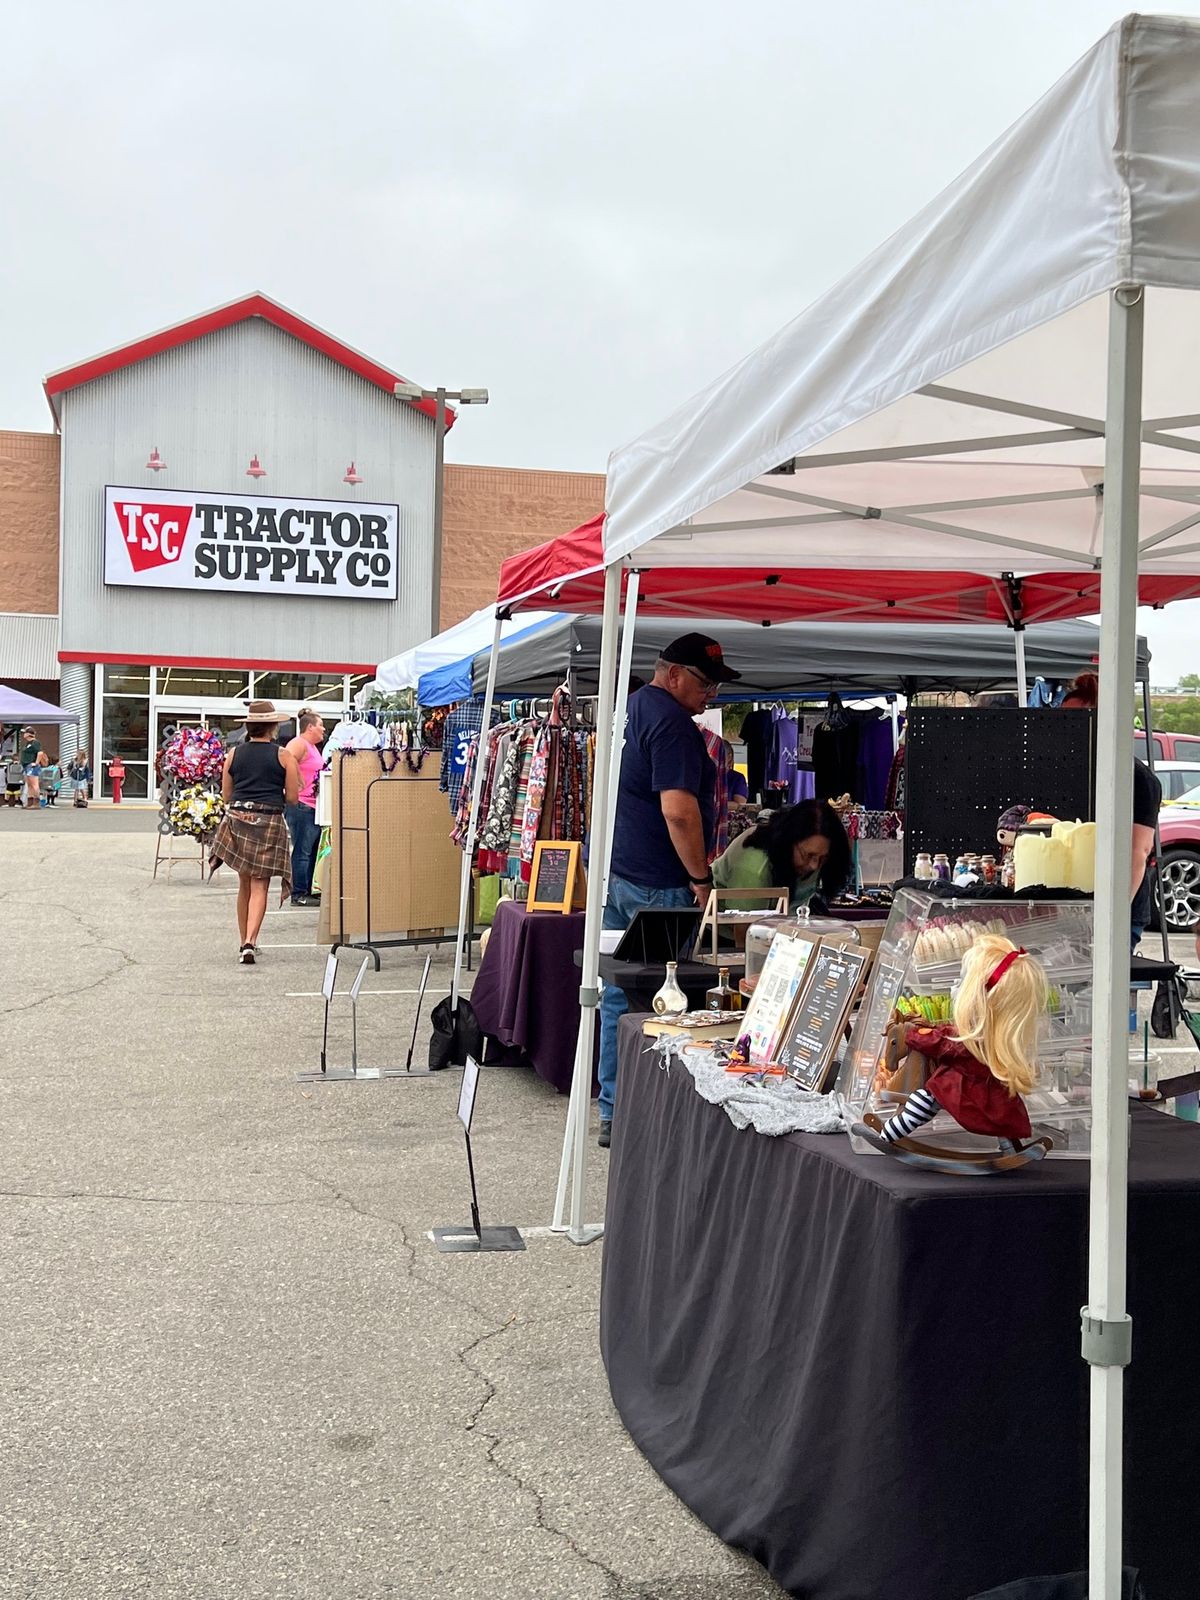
[[250, 544]]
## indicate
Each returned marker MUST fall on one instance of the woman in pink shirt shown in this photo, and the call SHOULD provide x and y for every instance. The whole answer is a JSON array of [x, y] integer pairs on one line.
[[302, 817]]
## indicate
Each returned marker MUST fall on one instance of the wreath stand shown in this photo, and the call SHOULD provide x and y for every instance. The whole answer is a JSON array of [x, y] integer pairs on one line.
[[170, 857]]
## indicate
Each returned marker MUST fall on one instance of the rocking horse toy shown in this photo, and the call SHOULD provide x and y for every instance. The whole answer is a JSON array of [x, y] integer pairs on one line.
[[975, 1067]]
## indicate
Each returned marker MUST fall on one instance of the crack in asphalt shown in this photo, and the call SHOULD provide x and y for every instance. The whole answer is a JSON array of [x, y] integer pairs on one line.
[[155, 1199], [614, 1584], [125, 961]]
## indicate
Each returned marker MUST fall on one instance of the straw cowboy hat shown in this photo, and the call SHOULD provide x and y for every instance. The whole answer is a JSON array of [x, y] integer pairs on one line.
[[262, 714]]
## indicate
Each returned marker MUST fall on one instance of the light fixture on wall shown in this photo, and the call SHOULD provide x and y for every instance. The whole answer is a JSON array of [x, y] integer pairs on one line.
[[256, 468], [352, 474], [156, 462]]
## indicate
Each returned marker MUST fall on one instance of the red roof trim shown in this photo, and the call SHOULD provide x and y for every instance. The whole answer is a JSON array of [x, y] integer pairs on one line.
[[254, 305], [247, 663]]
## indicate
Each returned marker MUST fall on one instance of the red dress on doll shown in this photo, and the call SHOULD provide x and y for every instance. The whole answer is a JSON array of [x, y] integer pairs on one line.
[[962, 1085]]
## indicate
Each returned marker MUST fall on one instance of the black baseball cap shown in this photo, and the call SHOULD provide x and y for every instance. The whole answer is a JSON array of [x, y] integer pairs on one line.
[[704, 654]]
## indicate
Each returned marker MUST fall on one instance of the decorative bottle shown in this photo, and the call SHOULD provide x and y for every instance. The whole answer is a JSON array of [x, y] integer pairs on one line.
[[923, 867], [723, 996], [941, 867], [670, 1001]]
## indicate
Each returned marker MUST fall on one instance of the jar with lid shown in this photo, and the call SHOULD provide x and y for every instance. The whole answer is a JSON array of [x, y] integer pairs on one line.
[[988, 867], [923, 867], [961, 870], [670, 1001], [723, 996], [941, 867]]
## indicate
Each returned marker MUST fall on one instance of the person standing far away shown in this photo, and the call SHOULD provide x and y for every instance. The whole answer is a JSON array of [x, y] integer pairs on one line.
[[665, 823], [258, 781], [31, 749], [302, 817]]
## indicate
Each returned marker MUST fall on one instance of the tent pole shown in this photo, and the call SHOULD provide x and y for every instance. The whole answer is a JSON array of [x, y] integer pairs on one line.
[[620, 704], [1106, 1326], [575, 1138], [1022, 678], [894, 707], [464, 889], [1156, 898]]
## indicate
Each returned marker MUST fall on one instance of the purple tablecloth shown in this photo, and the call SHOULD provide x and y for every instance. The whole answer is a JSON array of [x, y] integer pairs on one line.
[[526, 993]]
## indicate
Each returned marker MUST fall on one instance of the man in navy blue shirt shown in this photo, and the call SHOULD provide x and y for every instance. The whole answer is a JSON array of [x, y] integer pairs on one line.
[[664, 829]]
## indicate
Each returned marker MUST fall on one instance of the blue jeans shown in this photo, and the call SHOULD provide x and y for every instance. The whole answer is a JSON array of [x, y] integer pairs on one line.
[[624, 900], [302, 825]]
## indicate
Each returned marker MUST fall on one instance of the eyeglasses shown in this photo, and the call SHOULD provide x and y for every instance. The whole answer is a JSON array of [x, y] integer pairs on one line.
[[706, 684]]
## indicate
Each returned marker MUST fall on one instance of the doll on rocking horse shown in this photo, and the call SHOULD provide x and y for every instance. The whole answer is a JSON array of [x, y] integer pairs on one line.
[[975, 1067]]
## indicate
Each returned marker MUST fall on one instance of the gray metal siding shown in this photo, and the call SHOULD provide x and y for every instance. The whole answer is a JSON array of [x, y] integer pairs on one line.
[[208, 407], [29, 645]]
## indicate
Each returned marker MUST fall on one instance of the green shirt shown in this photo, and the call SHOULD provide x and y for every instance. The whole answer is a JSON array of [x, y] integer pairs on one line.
[[30, 752], [743, 866]]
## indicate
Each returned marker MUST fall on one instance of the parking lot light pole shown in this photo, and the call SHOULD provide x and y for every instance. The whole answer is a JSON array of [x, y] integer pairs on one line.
[[439, 396]]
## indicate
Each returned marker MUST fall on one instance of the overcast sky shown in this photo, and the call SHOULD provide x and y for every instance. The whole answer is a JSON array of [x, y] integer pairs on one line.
[[591, 210]]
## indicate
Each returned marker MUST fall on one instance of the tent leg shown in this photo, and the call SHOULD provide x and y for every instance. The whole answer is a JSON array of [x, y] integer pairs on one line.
[[620, 704], [1106, 1327], [1022, 676], [1156, 898], [464, 888], [894, 707], [574, 1151]]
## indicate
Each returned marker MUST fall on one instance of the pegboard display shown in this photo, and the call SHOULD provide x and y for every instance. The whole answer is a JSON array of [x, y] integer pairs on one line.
[[965, 765]]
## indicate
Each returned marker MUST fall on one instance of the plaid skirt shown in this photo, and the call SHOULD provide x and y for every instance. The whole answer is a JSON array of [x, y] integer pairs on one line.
[[255, 842]]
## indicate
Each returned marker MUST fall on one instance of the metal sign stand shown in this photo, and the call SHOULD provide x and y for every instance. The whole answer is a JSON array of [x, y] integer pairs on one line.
[[475, 1239], [407, 1072], [353, 1073]]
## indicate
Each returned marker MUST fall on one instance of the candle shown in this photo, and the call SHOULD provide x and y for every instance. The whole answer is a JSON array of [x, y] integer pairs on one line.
[[1039, 860], [1080, 840]]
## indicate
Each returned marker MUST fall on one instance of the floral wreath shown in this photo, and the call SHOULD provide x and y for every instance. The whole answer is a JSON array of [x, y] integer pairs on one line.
[[196, 811], [194, 754]]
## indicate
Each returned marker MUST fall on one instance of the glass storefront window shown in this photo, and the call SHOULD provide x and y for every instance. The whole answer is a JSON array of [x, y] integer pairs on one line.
[[196, 681], [127, 680], [302, 686], [126, 729]]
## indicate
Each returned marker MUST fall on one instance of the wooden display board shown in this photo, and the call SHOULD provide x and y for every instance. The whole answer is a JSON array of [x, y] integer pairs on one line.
[[400, 822], [810, 1037]]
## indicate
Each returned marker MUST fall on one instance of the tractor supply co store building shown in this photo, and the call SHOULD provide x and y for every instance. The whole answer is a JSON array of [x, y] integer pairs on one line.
[[237, 508]]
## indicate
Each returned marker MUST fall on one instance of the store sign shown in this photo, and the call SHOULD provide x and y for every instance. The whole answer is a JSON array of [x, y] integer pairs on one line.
[[250, 544]]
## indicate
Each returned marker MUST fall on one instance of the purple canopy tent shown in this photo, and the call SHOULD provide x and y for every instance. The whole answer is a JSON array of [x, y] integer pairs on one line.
[[16, 707]]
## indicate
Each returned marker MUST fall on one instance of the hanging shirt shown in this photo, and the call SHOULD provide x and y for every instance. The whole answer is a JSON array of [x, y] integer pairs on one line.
[[461, 724], [664, 749], [756, 735]]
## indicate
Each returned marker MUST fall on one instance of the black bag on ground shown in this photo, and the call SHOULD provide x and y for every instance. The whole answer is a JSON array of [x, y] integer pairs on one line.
[[1167, 1008], [1068, 1586], [456, 1035]]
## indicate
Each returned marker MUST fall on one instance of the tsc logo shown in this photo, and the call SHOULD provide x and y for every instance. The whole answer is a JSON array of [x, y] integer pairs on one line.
[[153, 535]]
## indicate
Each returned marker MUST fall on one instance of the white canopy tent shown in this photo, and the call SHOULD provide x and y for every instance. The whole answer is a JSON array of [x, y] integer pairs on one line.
[[1012, 383], [467, 638]]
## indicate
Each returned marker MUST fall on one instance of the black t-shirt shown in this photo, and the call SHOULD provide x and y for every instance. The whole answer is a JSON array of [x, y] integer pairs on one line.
[[1147, 795], [1147, 798]]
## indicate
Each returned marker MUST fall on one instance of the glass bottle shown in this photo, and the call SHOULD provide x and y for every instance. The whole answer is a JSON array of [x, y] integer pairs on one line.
[[941, 867], [670, 1001], [988, 867], [723, 996], [923, 867], [961, 870]]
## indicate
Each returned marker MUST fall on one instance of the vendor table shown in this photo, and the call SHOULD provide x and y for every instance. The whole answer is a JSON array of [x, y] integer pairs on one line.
[[868, 1376], [526, 993]]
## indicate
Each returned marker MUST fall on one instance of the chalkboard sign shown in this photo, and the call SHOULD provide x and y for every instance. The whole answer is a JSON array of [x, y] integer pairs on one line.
[[818, 1018], [553, 876]]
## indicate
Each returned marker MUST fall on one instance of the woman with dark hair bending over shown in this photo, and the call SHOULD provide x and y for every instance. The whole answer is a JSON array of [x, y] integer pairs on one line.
[[802, 848], [258, 781]]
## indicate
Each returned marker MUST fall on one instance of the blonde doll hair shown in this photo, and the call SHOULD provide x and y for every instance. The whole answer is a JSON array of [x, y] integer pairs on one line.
[[999, 1026]]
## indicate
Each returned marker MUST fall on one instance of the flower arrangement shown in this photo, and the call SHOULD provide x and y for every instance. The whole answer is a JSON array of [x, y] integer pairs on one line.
[[194, 754], [195, 810]]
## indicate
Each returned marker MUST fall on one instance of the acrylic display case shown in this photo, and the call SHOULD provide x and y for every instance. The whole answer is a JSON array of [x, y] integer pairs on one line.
[[918, 962]]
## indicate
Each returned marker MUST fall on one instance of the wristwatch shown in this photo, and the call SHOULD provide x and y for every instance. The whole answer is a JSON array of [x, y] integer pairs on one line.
[[706, 882]]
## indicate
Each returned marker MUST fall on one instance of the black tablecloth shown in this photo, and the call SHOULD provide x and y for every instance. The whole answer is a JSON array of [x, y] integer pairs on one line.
[[526, 993], [869, 1376]]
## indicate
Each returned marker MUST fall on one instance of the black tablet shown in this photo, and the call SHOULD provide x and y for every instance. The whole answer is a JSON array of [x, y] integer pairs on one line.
[[659, 935]]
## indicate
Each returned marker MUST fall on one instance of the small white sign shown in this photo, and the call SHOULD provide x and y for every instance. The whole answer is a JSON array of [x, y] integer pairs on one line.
[[250, 544], [329, 982], [466, 1092], [359, 976]]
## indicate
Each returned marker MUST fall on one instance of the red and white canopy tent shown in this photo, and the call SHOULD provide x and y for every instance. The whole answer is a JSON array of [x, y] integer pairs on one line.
[[1007, 386]]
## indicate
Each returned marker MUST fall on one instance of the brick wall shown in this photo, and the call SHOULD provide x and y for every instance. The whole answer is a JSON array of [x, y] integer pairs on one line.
[[28, 522], [493, 512]]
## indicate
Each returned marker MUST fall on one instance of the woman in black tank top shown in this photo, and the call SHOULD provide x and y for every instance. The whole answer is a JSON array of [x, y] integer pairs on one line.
[[258, 781]]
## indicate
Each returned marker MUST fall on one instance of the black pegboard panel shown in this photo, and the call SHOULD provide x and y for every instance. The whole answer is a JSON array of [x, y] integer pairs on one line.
[[966, 765]]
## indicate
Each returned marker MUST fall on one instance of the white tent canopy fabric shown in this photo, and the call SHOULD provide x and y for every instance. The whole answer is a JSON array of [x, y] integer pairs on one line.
[[1008, 385], [961, 366]]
